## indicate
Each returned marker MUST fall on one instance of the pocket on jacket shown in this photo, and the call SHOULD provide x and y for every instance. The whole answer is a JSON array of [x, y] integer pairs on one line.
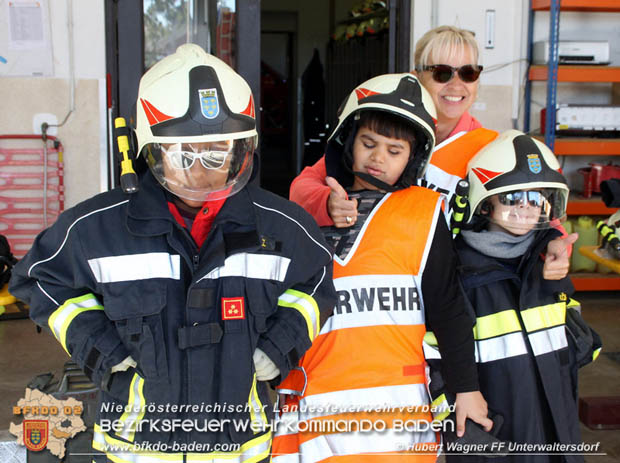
[[140, 324], [262, 291]]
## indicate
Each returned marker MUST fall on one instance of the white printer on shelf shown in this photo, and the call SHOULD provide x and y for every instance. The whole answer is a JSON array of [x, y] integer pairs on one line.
[[574, 52]]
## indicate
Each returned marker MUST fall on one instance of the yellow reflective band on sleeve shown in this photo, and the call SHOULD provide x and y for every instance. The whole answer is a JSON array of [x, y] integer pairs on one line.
[[257, 412], [440, 408], [572, 303], [306, 305], [496, 324], [546, 316], [120, 451], [596, 353], [134, 411], [430, 339], [62, 317]]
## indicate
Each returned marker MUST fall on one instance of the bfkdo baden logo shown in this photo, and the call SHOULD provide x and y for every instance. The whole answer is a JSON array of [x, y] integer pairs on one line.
[[35, 434], [48, 422]]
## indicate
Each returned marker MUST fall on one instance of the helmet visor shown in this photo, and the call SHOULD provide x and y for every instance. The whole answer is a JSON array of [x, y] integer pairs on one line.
[[520, 211], [202, 171]]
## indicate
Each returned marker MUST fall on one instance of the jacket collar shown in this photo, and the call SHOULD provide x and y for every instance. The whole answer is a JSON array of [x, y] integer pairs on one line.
[[148, 213], [479, 269]]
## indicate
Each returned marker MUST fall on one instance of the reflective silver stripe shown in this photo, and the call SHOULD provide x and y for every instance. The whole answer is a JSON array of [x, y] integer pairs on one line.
[[430, 352], [120, 451], [135, 409], [247, 265], [388, 441], [131, 267], [367, 399], [286, 458], [62, 317], [509, 345], [441, 179], [548, 340], [304, 304]]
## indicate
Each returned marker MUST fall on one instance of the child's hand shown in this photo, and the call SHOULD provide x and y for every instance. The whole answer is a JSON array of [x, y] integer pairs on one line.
[[473, 406], [556, 260], [341, 209]]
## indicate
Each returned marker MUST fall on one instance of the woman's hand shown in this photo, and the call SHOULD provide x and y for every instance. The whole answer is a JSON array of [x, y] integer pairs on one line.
[[473, 406], [341, 209]]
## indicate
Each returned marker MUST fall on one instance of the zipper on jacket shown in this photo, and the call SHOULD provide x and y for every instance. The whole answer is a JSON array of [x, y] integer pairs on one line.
[[195, 262]]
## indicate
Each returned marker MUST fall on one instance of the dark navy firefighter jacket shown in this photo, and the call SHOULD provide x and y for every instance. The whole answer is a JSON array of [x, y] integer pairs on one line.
[[116, 275]]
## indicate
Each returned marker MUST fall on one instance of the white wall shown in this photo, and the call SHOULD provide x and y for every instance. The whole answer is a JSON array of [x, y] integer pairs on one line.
[[83, 135]]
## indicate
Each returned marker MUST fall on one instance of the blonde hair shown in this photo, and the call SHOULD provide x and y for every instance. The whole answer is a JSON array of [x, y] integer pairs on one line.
[[444, 41]]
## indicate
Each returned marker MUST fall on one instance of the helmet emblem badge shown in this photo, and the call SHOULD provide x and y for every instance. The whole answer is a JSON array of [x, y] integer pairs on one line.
[[209, 104], [533, 162]]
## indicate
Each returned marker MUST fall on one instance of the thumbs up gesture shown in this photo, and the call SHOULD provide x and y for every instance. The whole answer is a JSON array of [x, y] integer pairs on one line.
[[557, 261], [341, 209]]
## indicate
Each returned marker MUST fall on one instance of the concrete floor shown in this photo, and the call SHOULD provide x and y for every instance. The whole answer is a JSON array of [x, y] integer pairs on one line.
[[24, 353]]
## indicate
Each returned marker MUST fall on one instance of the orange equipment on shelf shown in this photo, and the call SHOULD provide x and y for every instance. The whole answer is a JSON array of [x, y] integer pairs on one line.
[[31, 187]]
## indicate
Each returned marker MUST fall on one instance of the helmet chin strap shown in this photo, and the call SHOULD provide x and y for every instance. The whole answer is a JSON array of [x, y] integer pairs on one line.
[[375, 181]]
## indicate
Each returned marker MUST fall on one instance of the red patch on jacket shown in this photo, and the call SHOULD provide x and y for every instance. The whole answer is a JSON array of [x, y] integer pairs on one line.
[[233, 308]]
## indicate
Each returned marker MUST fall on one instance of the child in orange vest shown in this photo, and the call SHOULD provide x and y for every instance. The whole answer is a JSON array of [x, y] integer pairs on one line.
[[360, 391]]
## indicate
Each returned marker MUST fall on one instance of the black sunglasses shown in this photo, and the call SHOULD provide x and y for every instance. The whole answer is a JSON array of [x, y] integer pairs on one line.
[[513, 198], [443, 73]]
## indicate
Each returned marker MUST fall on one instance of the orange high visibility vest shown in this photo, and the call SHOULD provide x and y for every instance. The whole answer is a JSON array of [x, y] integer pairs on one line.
[[448, 163], [366, 368]]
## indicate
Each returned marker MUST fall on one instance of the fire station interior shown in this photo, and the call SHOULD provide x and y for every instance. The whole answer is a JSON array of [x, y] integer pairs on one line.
[[312, 53]]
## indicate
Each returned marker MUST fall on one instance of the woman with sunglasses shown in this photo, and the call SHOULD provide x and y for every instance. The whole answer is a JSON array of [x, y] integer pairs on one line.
[[447, 64]]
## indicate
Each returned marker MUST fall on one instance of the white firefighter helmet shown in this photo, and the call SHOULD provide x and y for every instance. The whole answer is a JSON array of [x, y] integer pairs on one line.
[[193, 106], [399, 95], [516, 170]]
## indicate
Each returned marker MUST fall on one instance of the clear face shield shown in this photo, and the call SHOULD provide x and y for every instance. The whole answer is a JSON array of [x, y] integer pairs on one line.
[[520, 211], [203, 171]]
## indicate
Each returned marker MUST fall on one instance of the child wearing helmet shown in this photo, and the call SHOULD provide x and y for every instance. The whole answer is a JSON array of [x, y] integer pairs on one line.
[[395, 274], [527, 346], [183, 300]]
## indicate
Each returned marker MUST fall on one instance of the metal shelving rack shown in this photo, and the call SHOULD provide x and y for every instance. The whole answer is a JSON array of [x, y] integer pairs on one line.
[[552, 74]]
